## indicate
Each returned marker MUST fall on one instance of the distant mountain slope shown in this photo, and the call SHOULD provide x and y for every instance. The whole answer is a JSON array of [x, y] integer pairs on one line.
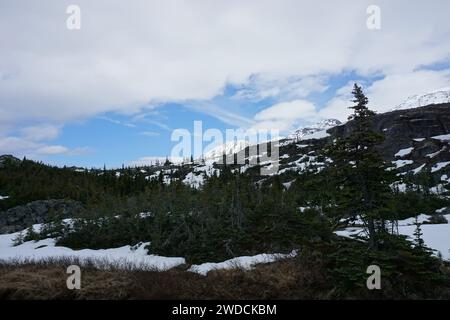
[[408, 128], [303, 132], [416, 141], [435, 97], [226, 148]]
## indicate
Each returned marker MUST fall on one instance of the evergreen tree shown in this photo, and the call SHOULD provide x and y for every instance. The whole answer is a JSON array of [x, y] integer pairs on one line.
[[418, 234], [31, 235], [363, 183]]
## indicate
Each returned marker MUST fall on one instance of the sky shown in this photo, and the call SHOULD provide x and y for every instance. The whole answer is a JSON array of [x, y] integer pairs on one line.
[[113, 91]]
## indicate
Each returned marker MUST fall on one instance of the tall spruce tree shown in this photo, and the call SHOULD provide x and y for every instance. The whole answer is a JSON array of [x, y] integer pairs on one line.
[[363, 184]]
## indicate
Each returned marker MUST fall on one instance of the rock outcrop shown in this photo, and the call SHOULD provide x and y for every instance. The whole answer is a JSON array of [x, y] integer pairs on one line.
[[412, 128], [21, 217]]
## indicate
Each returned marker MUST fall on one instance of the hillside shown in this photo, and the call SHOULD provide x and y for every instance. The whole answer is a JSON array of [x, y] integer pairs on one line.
[[416, 143]]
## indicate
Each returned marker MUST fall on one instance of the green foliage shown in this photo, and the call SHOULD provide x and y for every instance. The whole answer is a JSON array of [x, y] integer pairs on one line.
[[408, 270], [103, 233], [363, 183], [232, 217], [31, 235], [411, 203], [19, 239], [418, 240]]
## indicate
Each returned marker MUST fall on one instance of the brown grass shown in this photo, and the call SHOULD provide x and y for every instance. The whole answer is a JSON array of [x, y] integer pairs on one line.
[[288, 279], [279, 280]]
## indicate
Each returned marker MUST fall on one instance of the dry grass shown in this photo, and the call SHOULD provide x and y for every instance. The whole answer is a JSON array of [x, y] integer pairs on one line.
[[302, 278], [39, 281], [279, 280]]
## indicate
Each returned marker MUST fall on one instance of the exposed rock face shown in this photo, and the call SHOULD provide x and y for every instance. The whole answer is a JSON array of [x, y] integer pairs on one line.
[[21, 217], [416, 141], [407, 128]]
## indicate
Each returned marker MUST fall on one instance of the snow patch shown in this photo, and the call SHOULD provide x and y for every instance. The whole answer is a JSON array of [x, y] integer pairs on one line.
[[419, 169], [435, 236], [444, 137], [439, 166], [246, 263], [193, 180], [134, 257], [287, 185], [316, 135], [404, 152], [309, 132], [439, 189], [230, 147], [402, 163], [432, 155]]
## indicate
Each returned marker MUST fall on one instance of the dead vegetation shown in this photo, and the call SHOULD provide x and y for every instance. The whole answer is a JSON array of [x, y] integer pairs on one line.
[[304, 277]]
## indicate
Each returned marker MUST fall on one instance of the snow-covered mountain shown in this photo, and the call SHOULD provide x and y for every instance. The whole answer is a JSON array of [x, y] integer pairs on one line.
[[227, 148], [309, 130], [232, 147], [422, 100]]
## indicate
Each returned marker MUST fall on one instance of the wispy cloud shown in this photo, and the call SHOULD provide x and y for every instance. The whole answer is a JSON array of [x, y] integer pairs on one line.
[[260, 87], [20, 147], [228, 117], [118, 122], [150, 133]]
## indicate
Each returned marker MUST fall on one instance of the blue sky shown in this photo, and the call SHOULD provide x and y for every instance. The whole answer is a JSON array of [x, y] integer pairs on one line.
[[113, 139], [113, 91]]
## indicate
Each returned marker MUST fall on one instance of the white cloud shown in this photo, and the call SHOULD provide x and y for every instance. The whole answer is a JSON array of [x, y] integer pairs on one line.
[[14, 145], [283, 116], [52, 150], [387, 93], [32, 142], [131, 58], [118, 122], [287, 110], [22, 146], [263, 86], [224, 115], [127, 55], [393, 89], [41, 132], [338, 107]]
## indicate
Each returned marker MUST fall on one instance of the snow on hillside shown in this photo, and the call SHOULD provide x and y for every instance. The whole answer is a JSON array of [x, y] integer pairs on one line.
[[246, 263], [227, 148], [404, 152], [436, 236], [193, 180], [444, 137], [402, 163], [4, 197], [438, 166], [126, 257], [422, 100], [315, 131]]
